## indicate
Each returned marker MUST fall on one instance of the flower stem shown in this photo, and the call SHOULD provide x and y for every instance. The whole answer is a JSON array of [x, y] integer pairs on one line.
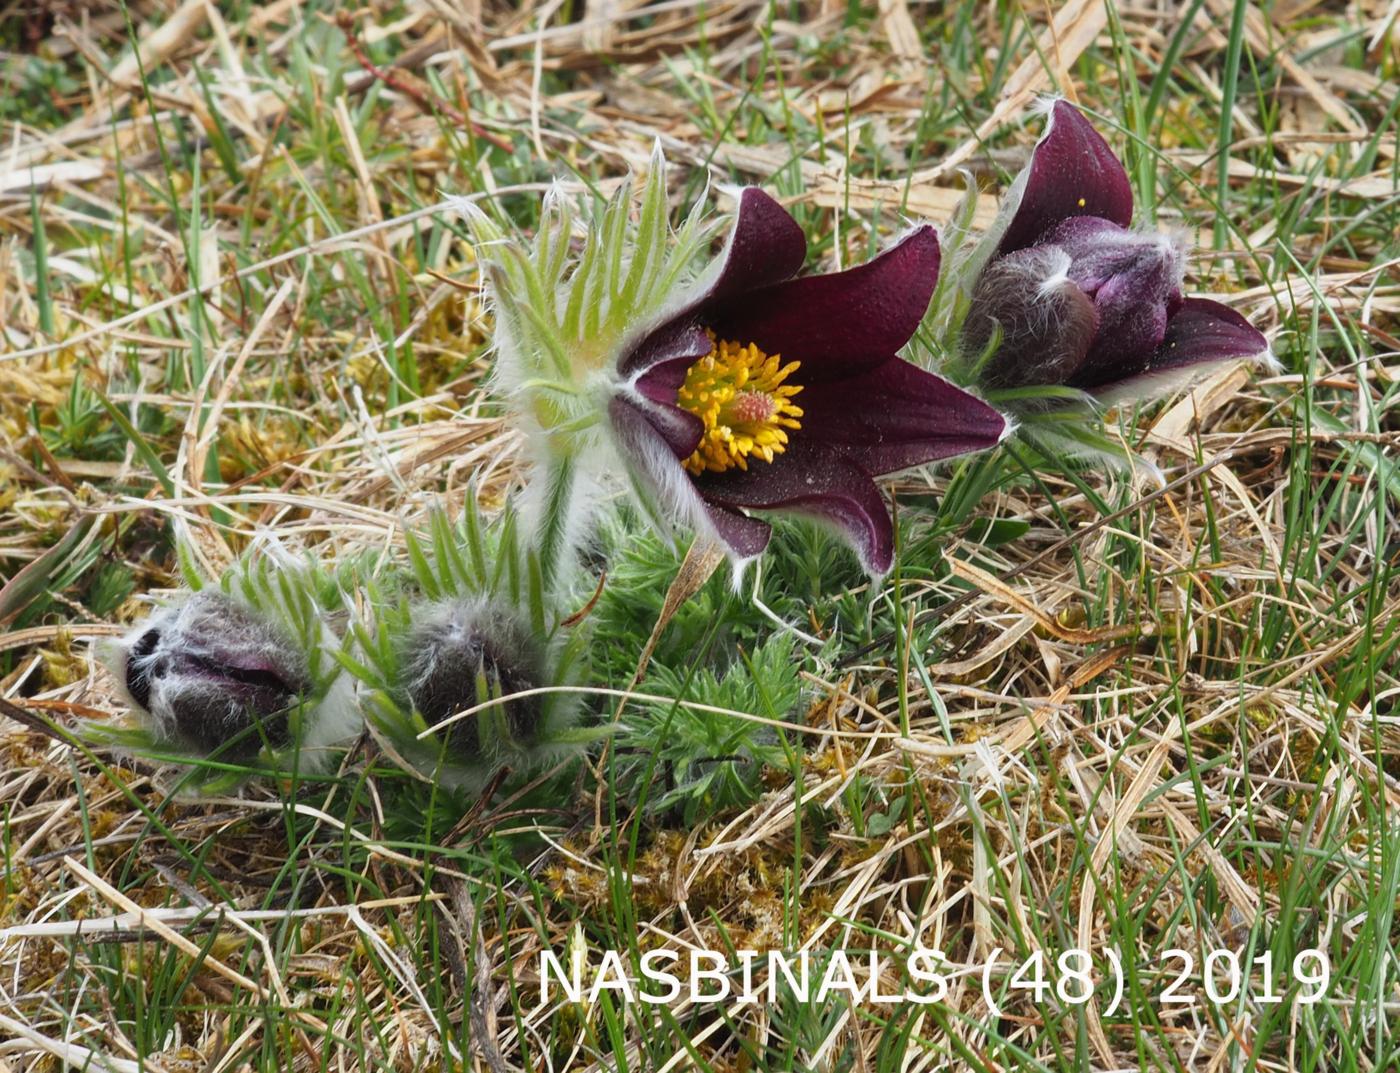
[[558, 482]]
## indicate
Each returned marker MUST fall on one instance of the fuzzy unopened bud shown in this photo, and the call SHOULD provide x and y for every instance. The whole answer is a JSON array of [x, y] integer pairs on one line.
[[1040, 323], [1133, 279], [212, 674], [468, 653]]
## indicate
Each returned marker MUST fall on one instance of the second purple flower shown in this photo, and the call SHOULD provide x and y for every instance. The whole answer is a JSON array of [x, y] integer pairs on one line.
[[1071, 297]]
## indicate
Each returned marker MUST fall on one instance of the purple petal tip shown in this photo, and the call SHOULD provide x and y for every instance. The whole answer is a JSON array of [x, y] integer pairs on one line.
[[1200, 334], [1072, 172]]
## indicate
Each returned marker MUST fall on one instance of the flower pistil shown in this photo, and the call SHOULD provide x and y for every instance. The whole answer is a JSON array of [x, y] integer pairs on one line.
[[739, 393]]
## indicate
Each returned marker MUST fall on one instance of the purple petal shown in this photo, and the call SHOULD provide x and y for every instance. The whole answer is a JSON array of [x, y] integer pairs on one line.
[[1072, 172], [1201, 333], [744, 536], [1046, 322], [766, 246], [1134, 277], [897, 416], [665, 355], [1203, 330], [651, 455], [679, 429], [817, 482], [841, 323]]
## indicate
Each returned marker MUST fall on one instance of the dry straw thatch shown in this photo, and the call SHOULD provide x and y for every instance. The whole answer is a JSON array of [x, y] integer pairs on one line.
[[1112, 725]]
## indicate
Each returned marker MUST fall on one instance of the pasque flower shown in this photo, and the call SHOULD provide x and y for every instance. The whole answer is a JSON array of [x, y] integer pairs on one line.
[[241, 672], [745, 387], [1070, 296]]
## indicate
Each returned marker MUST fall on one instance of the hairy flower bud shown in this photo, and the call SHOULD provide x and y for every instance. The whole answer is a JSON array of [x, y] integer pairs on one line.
[[1091, 301], [458, 670], [464, 654], [1034, 321], [1134, 280], [212, 675]]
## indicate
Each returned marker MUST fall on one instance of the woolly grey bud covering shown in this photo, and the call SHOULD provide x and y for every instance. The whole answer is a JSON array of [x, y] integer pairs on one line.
[[212, 675], [1045, 323], [469, 652]]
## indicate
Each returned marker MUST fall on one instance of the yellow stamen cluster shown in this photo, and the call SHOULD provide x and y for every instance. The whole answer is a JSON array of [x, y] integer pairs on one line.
[[738, 392]]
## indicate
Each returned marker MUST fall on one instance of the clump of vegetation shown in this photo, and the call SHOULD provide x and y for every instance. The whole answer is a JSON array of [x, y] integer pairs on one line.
[[704, 753]]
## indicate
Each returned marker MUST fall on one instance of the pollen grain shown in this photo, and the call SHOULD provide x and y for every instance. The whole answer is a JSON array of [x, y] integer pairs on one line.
[[738, 392]]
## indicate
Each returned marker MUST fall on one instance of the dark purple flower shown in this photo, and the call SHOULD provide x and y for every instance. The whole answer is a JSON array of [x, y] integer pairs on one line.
[[1072, 297], [770, 392]]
